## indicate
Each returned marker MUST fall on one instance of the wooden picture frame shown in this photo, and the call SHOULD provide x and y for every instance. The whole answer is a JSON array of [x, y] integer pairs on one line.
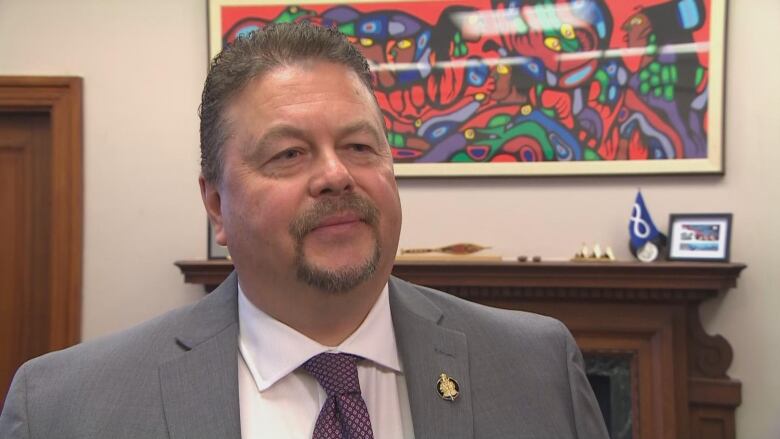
[[560, 94], [215, 250]]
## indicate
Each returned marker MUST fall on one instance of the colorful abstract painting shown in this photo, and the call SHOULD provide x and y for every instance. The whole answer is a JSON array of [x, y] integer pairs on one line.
[[513, 87]]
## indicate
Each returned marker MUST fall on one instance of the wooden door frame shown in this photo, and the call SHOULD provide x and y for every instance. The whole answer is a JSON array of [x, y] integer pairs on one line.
[[61, 98]]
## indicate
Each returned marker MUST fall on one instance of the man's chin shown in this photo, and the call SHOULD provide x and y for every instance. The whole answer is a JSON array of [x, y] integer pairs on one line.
[[337, 256], [337, 281], [334, 275], [336, 263]]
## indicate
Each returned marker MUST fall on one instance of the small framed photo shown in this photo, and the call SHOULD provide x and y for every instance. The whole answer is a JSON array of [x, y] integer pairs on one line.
[[699, 236], [215, 250]]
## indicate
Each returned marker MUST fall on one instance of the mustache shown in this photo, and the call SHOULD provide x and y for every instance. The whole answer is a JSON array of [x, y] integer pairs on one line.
[[327, 206]]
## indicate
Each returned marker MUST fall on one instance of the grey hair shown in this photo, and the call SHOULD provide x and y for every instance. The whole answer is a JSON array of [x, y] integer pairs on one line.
[[251, 56]]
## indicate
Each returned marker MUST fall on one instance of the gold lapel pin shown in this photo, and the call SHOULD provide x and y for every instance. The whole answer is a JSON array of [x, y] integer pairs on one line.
[[447, 387]]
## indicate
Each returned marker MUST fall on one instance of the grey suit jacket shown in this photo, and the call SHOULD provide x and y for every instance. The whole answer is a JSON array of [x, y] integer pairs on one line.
[[520, 375]]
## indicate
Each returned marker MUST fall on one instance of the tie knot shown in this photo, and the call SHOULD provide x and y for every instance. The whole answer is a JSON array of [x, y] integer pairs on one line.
[[336, 373]]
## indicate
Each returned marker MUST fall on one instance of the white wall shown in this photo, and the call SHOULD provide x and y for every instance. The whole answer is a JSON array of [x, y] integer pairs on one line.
[[143, 64]]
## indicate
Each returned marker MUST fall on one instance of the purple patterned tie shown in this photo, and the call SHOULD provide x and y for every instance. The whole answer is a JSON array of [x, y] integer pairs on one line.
[[344, 414]]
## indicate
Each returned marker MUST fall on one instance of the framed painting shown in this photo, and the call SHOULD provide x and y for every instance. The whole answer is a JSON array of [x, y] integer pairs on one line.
[[527, 88]]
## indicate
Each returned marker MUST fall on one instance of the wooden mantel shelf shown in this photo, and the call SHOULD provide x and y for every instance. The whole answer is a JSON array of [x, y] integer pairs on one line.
[[646, 312], [694, 281], [208, 273]]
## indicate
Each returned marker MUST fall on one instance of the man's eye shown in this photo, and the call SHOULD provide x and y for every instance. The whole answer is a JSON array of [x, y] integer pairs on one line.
[[361, 148], [288, 154]]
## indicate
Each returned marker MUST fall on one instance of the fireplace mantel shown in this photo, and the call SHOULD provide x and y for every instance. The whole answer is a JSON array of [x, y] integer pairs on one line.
[[683, 280], [647, 312]]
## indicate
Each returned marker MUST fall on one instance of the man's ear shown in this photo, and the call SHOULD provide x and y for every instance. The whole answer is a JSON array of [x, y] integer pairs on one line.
[[212, 201]]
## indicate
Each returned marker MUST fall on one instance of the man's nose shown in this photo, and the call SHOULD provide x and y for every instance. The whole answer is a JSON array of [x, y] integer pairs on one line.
[[331, 176]]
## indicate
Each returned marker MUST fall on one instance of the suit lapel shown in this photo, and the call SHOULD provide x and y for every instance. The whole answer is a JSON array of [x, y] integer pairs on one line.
[[427, 350], [200, 386]]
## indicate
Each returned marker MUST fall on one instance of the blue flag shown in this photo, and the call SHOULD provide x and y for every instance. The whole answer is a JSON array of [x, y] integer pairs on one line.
[[640, 225]]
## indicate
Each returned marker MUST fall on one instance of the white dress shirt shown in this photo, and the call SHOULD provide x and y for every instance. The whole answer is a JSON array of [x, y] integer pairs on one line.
[[280, 400]]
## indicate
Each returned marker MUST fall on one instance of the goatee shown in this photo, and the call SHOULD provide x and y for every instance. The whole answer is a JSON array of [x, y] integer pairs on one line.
[[347, 278]]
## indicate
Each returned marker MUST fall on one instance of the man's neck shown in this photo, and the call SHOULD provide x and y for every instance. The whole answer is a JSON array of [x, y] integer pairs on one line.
[[325, 317]]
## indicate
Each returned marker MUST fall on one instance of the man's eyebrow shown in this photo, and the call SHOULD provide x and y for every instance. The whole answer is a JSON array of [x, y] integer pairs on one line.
[[276, 133], [361, 126], [285, 131]]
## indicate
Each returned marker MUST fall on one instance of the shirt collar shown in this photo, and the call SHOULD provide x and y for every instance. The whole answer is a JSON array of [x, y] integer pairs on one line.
[[272, 350]]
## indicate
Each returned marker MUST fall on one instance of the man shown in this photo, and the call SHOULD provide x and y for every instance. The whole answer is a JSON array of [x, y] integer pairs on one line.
[[310, 336]]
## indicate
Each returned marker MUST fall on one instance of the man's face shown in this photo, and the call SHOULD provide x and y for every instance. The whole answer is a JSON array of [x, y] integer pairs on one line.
[[308, 192]]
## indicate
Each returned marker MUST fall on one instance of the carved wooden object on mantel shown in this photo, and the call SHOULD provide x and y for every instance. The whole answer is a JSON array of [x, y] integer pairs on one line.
[[649, 312]]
